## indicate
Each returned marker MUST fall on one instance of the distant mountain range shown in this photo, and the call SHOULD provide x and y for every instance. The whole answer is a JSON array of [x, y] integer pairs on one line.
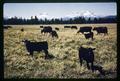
[[85, 14]]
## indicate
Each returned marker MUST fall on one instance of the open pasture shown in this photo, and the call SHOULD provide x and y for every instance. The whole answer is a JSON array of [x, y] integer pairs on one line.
[[18, 64]]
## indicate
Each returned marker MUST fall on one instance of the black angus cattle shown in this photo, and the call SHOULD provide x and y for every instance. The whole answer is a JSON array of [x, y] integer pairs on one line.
[[22, 30], [54, 34], [41, 26], [7, 27], [85, 29], [89, 35], [73, 27], [56, 28], [67, 26], [86, 54], [99, 68], [36, 46], [101, 30], [46, 29]]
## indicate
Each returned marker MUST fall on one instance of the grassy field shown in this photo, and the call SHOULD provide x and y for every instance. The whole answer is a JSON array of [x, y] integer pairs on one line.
[[18, 64]]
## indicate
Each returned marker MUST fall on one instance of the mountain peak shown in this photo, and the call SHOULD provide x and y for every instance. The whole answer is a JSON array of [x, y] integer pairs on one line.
[[88, 14]]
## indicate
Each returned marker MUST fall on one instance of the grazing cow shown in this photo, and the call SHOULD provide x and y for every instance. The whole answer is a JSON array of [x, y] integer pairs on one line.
[[73, 27], [99, 68], [36, 46], [41, 26], [57, 29], [54, 34], [85, 29], [101, 30], [87, 55], [22, 30], [67, 26], [89, 35], [7, 27], [46, 29]]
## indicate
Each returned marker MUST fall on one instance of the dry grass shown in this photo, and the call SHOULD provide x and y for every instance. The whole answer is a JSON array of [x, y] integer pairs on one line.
[[65, 49]]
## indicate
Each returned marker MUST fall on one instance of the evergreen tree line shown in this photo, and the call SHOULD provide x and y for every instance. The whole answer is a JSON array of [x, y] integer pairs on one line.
[[77, 20]]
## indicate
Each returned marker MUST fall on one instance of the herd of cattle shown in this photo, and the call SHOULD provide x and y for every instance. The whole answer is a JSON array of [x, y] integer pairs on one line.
[[86, 54], [86, 30]]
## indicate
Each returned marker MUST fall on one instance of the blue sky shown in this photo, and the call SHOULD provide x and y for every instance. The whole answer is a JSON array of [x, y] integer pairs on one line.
[[55, 10]]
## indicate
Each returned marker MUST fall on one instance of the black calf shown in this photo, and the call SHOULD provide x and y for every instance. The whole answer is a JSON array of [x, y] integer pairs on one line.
[[41, 26], [87, 55], [46, 29], [89, 35], [36, 46], [54, 34], [22, 30], [57, 29], [7, 27], [99, 30], [73, 27]]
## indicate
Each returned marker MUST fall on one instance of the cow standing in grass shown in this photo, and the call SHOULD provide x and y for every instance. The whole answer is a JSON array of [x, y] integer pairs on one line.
[[54, 34], [46, 29], [89, 35], [73, 27], [99, 30], [87, 55], [41, 26], [67, 26], [57, 29], [85, 29], [7, 27], [36, 46], [22, 30]]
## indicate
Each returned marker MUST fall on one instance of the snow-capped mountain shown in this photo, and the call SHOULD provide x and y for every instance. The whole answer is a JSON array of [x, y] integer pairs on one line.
[[88, 14], [85, 14]]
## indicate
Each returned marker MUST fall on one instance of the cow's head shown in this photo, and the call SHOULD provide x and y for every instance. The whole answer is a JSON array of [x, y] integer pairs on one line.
[[90, 50], [25, 41]]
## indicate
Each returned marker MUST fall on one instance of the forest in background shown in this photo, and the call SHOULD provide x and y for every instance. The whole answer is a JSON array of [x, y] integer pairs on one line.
[[76, 20]]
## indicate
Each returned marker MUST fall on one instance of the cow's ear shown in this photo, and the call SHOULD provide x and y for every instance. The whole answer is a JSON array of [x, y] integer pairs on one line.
[[23, 40], [81, 47], [93, 48]]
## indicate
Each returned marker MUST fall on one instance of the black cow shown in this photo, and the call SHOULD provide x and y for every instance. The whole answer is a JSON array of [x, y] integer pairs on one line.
[[56, 28], [54, 34], [41, 26], [36, 46], [7, 27], [85, 29], [87, 55], [22, 30], [89, 35], [73, 27], [101, 30], [99, 68], [46, 29], [67, 26]]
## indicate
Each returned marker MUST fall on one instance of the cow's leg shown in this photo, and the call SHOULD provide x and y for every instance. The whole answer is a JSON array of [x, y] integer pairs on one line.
[[81, 61], [92, 66], [88, 65], [46, 53], [31, 53]]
